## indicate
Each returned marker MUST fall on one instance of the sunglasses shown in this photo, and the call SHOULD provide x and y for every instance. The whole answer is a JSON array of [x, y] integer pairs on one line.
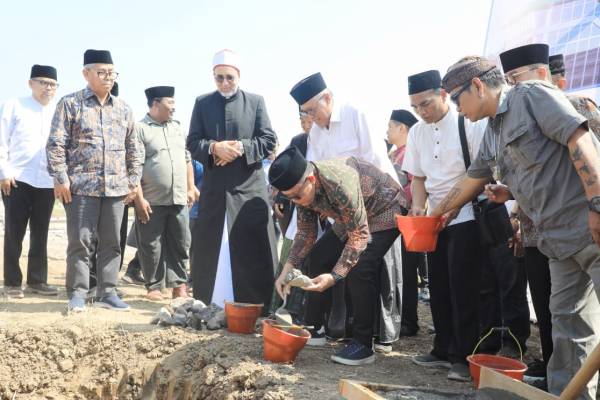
[[454, 97], [221, 78]]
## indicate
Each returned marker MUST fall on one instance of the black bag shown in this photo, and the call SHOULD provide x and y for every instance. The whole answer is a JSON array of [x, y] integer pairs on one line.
[[492, 218]]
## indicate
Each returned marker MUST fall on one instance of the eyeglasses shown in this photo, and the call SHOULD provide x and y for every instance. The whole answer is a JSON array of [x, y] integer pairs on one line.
[[313, 110], [454, 97], [112, 75], [510, 77], [221, 78], [47, 84]]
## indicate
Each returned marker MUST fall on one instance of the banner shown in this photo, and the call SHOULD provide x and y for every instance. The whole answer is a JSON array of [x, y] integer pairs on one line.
[[570, 27]]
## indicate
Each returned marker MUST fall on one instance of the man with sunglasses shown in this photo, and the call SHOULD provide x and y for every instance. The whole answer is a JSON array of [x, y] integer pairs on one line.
[[362, 201], [524, 63], [230, 134], [93, 158], [540, 147], [26, 186], [435, 159]]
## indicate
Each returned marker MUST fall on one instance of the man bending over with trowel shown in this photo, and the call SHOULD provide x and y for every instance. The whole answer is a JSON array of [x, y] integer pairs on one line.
[[363, 202]]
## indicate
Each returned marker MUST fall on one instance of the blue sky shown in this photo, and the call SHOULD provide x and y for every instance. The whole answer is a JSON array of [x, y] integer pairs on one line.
[[365, 49]]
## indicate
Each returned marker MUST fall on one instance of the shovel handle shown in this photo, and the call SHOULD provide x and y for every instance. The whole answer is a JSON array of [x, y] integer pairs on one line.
[[583, 376]]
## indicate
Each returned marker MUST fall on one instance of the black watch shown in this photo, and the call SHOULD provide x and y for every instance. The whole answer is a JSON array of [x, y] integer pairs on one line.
[[594, 204], [336, 277]]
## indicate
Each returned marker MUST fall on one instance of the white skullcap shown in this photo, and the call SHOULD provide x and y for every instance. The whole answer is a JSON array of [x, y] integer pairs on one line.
[[226, 57]]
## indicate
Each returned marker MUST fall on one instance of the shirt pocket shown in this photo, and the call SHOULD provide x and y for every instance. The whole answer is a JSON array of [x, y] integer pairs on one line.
[[155, 146], [522, 146], [85, 155]]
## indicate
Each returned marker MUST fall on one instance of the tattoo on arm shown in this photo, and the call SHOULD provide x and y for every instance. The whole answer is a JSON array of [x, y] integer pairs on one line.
[[449, 199], [576, 154], [587, 173]]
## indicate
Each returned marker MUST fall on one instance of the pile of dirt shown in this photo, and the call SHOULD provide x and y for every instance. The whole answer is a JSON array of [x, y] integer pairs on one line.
[[221, 369], [82, 363]]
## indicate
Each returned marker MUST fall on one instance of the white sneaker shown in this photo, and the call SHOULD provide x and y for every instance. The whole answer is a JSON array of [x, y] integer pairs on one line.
[[317, 337]]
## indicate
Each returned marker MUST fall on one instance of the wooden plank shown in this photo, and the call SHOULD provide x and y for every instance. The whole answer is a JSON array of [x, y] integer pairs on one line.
[[353, 390], [492, 379], [357, 390]]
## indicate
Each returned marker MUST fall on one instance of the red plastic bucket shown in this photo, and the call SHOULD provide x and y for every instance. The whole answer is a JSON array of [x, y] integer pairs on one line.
[[282, 346], [507, 366], [241, 317], [420, 234]]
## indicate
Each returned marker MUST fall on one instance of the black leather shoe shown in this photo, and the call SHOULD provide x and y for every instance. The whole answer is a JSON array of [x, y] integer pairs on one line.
[[406, 330]]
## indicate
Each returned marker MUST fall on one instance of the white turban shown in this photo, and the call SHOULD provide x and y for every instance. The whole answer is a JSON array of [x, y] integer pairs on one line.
[[226, 57]]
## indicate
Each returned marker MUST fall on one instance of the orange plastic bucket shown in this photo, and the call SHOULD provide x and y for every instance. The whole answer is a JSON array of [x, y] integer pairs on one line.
[[507, 366], [241, 317], [420, 234], [282, 346]]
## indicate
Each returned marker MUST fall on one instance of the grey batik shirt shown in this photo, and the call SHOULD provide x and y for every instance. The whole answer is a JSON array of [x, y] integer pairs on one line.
[[526, 144]]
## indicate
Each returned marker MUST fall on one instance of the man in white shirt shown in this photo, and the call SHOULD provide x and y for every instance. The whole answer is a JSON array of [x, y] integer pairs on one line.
[[434, 157], [27, 188], [341, 130]]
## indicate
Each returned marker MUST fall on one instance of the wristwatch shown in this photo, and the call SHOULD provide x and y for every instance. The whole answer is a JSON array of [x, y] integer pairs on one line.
[[594, 204], [336, 277]]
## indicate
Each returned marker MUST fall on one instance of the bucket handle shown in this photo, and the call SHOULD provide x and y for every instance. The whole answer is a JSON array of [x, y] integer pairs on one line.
[[499, 329]]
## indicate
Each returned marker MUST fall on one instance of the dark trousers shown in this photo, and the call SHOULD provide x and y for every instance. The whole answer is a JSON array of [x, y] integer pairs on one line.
[[411, 263], [163, 246], [363, 285], [503, 298], [454, 275], [93, 256], [320, 260], [26, 204], [91, 217], [538, 275]]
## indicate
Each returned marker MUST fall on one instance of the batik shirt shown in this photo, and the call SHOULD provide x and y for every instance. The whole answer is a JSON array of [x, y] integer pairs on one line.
[[93, 146], [359, 197], [405, 179]]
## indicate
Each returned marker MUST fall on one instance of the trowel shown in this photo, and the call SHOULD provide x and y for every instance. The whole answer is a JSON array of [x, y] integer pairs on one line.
[[283, 316]]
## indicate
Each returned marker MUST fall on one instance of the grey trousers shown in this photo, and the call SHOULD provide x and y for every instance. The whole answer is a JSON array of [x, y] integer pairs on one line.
[[575, 317], [163, 246], [87, 217]]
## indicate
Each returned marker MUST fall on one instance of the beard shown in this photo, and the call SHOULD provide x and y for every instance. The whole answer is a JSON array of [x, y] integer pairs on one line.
[[230, 93]]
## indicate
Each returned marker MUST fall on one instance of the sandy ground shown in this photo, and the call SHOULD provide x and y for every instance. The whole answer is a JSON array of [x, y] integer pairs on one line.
[[105, 354]]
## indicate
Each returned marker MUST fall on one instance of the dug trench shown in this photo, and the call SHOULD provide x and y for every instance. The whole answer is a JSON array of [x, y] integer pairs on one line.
[[102, 354]]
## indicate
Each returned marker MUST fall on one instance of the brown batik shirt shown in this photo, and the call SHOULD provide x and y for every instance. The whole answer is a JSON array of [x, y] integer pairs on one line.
[[359, 197]]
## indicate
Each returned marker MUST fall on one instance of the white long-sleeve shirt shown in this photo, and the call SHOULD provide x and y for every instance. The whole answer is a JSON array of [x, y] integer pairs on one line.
[[348, 135], [24, 130]]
